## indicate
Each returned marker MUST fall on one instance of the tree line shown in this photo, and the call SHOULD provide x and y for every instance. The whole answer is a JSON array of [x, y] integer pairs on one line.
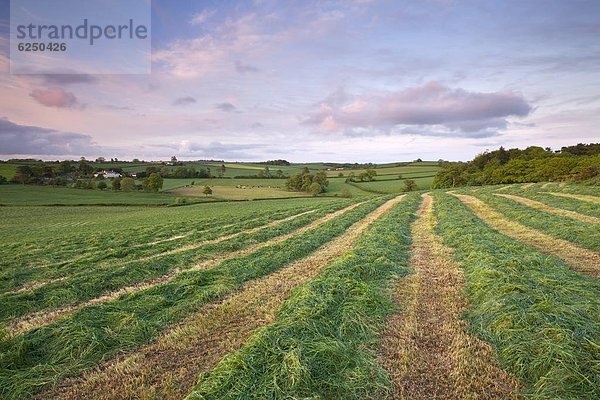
[[533, 164]]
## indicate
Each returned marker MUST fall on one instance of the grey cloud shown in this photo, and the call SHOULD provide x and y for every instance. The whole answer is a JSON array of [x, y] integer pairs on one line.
[[469, 114], [24, 139], [184, 101], [226, 107], [68, 79], [244, 68]]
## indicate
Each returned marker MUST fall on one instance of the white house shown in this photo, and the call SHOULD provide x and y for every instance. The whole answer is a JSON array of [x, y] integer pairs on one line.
[[108, 174]]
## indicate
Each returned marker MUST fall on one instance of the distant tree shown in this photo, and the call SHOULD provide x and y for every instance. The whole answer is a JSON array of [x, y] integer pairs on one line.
[[135, 160], [260, 174], [410, 185], [47, 171], [102, 185], [371, 174], [84, 168], [207, 190], [400, 176], [3, 180], [100, 159], [363, 176], [418, 160], [65, 167], [305, 182], [116, 184], [23, 174], [314, 188], [173, 159], [267, 172], [351, 177], [341, 175], [154, 182], [279, 173], [128, 184], [222, 170]]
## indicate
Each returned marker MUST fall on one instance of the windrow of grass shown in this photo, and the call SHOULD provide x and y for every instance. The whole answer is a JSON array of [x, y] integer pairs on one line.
[[583, 234], [579, 206], [542, 318], [46, 235], [122, 246], [573, 189], [45, 355], [18, 277], [93, 282], [323, 343]]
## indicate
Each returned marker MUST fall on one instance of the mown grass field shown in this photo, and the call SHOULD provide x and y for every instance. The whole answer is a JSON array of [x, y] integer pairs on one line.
[[481, 292]]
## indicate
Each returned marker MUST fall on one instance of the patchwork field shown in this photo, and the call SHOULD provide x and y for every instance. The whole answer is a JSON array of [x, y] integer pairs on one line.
[[470, 293]]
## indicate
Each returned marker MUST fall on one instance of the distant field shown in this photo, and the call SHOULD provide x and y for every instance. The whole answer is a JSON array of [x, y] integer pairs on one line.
[[394, 170], [394, 186], [8, 170], [231, 192], [28, 195]]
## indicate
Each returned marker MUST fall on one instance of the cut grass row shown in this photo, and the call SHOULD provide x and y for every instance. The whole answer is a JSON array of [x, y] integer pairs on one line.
[[54, 234], [426, 347], [552, 210], [581, 259], [322, 343], [92, 283], [570, 204], [168, 367], [14, 276], [542, 318], [42, 356], [131, 233], [45, 317], [583, 234]]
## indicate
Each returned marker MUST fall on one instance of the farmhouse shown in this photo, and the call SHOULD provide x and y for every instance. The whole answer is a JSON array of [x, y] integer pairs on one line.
[[108, 174]]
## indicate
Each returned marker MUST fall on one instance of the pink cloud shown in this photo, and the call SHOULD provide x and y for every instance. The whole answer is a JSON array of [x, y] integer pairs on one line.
[[431, 104], [55, 97]]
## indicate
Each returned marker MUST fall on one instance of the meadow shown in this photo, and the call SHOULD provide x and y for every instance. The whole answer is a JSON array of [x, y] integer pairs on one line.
[[108, 295]]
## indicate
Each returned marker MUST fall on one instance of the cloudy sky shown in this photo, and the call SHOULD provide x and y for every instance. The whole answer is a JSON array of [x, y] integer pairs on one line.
[[362, 80]]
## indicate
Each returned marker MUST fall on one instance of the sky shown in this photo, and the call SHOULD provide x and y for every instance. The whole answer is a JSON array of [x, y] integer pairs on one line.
[[339, 81]]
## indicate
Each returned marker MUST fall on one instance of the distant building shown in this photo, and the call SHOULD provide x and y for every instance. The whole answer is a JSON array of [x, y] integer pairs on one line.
[[108, 174]]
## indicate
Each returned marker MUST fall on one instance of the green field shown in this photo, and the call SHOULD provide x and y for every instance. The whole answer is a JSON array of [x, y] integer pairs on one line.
[[28, 195], [308, 297]]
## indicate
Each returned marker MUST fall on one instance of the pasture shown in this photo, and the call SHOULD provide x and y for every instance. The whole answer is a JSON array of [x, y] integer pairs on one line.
[[307, 297]]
